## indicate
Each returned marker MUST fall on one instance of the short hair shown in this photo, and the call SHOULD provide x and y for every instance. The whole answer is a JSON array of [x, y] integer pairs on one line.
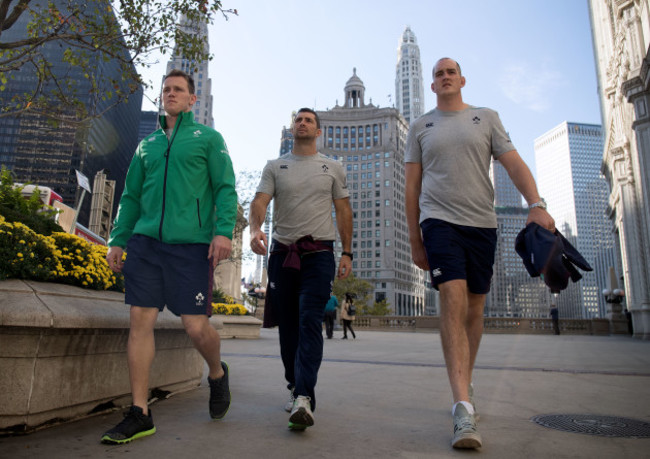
[[180, 73], [309, 110], [442, 59]]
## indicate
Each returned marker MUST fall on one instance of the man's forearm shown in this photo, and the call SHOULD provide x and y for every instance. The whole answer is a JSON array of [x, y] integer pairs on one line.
[[257, 215]]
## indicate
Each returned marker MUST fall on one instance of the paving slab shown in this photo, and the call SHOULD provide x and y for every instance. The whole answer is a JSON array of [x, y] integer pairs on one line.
[[386, 394]]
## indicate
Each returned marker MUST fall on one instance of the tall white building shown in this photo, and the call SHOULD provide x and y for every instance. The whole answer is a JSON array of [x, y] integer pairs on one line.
[[198, 70], [370, 142], [568, 160], [409, 92], [621, 35]]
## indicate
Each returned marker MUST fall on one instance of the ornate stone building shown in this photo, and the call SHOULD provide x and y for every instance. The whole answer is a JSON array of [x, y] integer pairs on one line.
[[621, 34], [369, 141]]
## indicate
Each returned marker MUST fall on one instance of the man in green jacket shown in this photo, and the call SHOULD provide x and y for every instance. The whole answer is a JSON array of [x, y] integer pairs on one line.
[[175, 220]]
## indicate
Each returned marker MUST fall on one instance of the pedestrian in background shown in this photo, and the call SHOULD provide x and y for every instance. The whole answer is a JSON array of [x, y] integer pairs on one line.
[[348, 313], [330, 315]]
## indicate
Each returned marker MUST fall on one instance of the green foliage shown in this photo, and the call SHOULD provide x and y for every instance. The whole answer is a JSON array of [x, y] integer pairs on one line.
[[219, 296], [92, 33], [379, 308], [361, 289], [15, 208]]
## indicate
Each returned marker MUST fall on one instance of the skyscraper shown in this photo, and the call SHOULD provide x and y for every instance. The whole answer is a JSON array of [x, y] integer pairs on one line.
[[568, 161], [198, 70], [40, 152], [409, 92], [369, 142], [148, 124]]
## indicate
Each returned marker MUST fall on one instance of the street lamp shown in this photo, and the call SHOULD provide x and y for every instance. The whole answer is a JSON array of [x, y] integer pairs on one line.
[[257, 293], [613, 296]]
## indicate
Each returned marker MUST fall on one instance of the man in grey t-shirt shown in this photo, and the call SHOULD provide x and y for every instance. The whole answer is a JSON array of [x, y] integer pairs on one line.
[[301, 267], [452, 223]]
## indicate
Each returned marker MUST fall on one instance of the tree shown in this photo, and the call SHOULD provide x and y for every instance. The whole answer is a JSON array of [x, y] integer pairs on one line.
[[360, 289], [379, 308], [31, 211], [90, 34]]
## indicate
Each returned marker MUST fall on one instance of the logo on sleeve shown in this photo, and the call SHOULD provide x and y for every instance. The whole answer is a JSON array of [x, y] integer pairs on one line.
[[325, 168], [429, 125], [284, 166], [197, 133], [476, 120]]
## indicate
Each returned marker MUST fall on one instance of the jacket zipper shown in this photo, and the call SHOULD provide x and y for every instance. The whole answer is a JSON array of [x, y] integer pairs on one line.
[[169, 146], [198, 211]]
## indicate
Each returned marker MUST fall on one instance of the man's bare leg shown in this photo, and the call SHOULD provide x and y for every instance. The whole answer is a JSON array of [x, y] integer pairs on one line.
[[206, 340], [141, 349], [453, 333], [474, 327]]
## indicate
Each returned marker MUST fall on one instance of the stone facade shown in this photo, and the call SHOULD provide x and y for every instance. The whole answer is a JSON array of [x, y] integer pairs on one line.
[[621, 34], [369, 141], [227, 275]]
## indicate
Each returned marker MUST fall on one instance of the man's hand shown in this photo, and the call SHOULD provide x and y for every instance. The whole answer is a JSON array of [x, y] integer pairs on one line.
[[259, 243], [542, 218], [114, 258], [220, 249], [345, 267], [419, 255]]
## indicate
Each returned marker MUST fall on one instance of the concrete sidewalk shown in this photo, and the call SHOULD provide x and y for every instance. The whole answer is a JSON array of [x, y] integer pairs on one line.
[[386, 395]]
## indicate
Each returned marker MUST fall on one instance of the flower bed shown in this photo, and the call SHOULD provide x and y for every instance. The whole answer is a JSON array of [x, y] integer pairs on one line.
[[61, 257]]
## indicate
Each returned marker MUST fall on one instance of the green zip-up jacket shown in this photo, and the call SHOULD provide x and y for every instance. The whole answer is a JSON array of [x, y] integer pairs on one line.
[[179, 190]]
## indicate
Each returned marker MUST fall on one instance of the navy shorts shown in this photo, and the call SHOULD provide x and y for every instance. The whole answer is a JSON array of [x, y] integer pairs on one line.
[[459, 252], [177, 275]]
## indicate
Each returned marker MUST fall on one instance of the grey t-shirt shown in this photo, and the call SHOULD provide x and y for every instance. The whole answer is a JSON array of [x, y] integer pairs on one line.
[[455, 149], [303, 189]]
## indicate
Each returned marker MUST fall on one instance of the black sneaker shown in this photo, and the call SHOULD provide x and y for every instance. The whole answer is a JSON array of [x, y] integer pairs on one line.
[[219, 394], [135, 424]]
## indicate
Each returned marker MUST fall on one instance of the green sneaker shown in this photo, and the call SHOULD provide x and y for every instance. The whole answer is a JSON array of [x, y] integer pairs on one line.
[[134, 425]]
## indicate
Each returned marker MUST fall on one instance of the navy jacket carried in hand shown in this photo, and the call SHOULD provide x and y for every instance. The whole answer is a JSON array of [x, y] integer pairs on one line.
[[550, 256]]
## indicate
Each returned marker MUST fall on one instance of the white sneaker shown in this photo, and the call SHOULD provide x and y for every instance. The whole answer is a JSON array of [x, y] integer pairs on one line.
[[289, 405], [301, 415], [465, 432]]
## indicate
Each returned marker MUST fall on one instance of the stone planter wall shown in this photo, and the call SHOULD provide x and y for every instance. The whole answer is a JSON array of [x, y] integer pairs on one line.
[[63, 353]]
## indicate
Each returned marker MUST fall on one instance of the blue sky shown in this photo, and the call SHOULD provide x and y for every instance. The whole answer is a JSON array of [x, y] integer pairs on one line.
[[531, 60]]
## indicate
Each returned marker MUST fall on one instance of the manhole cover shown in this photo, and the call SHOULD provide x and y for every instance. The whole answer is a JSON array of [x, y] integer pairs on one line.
[[592, 424]]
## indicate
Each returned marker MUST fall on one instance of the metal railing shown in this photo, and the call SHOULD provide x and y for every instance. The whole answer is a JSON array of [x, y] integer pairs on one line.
[[490, 324]]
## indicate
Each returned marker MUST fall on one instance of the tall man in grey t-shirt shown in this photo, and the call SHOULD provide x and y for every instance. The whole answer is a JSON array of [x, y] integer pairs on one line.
[[301, 267], [452, 223]]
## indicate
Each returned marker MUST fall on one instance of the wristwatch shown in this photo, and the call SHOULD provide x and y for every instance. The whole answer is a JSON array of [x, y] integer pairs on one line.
[[541, 204], [349, 254]]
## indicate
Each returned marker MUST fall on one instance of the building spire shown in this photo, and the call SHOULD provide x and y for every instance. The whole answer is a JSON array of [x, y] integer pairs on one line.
[[409, 90]]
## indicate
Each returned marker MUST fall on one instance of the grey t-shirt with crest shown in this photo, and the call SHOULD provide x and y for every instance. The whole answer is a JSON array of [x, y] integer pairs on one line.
[[303, 189], [455, 149]]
